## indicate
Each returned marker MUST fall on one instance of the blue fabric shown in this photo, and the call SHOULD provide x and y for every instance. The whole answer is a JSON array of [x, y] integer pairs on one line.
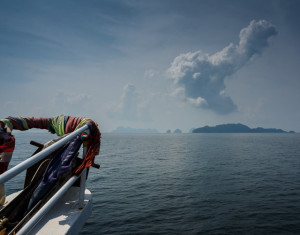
[[59, 165], [66, 120], [50, 128]]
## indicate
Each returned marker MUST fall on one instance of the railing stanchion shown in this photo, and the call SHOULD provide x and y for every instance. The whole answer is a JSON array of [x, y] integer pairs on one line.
[[49, 204], [82, 188]]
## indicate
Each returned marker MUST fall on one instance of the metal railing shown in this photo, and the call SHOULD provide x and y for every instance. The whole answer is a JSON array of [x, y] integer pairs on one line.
[[9, 174]]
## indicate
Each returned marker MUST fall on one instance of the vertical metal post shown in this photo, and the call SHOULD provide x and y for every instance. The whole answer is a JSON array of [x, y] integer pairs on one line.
[[82, 188], [83, 175], [48, 205]]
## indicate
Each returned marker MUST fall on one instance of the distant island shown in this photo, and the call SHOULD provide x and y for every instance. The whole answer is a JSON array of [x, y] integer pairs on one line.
[[237, 128], [177, 131], [122, 129]]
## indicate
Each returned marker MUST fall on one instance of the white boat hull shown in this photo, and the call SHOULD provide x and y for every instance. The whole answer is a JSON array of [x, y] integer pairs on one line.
[[66, 216]]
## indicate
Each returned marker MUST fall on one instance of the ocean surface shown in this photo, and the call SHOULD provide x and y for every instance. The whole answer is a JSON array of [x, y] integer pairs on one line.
[[190, 183]]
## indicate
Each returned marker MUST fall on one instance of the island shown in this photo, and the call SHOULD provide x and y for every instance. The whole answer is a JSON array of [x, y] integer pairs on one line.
[[237, 128], [122, 129], [177, 131]]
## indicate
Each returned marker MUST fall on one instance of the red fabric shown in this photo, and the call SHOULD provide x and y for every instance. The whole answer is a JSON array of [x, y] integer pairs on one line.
[[72, 123], [93, 150], [37, 122], [94, 141], [8, 146], [32, 122]]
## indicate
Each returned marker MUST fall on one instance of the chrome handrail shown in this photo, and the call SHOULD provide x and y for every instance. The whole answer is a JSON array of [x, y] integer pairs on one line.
[[48, 205], [9, 174]]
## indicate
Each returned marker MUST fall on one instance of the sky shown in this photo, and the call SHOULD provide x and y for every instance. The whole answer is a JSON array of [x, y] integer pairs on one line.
[[161, 64]]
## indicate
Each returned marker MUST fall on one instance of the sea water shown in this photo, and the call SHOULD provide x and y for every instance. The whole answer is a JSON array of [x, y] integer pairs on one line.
[[190, 183]]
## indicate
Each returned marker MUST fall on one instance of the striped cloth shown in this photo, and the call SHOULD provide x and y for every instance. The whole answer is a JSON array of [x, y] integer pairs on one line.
[[6, 150], [60, 125]]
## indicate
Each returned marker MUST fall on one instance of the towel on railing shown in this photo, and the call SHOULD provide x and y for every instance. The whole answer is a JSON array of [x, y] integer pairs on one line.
[[7, 145], [59, 165], [60, 125]]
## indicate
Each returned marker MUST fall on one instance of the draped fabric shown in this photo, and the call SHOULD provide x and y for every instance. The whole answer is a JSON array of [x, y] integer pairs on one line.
[[6, 149], [59, 165], [60, 125], [93, 140], [23, 124]]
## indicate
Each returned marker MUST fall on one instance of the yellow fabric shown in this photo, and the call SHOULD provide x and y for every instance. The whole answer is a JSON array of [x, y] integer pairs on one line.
[[58, 124], [8, 124], [24, 123], [82, 122]]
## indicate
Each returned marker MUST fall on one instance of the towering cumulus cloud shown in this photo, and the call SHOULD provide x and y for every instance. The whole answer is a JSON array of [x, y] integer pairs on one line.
[[133, 106], [127, 108], [202, 76]]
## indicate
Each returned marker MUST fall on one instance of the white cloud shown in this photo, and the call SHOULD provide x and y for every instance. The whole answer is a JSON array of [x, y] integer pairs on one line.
[[68, 98], [178, 92], [198, 102], [196, 75], [203, 76], [150, 73], [70, 103], [132, 106]]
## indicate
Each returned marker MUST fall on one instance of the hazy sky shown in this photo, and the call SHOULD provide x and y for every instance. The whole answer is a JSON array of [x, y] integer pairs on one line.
[[161, 64]]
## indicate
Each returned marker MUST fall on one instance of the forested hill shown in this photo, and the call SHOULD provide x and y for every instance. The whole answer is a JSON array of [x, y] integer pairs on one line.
[[237, 128]]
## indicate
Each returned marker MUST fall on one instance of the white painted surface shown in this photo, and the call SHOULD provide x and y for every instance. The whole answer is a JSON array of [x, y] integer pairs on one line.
[[65, 217]]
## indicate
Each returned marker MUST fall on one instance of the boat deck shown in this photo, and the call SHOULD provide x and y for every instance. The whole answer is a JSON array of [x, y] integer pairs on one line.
[[66, 217]]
